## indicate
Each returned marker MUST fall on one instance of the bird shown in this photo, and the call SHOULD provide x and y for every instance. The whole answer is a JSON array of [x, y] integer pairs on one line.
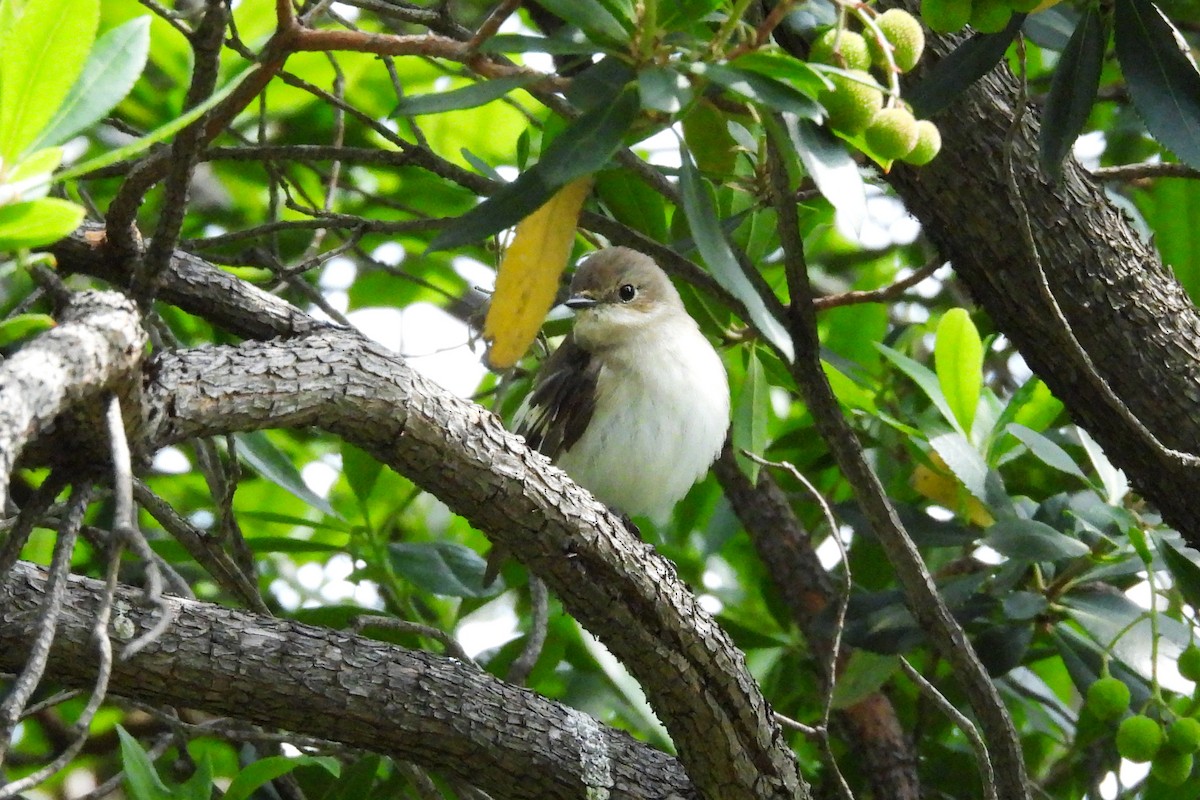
[[634, 404]]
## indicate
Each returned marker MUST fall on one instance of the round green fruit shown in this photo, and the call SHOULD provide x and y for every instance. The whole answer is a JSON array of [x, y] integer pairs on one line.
[[1183, 735], [946, 16], [990, 16], [1189, 663], [1108, 699], [929, 144], [851, 50], [851, 105], [1139, 738], [1171, 768], [906, 35], [892, 133]]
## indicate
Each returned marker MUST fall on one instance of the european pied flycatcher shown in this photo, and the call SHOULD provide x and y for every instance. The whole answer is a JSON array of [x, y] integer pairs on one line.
[[634, 404]]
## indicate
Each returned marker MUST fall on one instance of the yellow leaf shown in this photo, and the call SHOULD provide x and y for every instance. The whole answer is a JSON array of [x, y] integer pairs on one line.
[[944, 489], [527, 281]]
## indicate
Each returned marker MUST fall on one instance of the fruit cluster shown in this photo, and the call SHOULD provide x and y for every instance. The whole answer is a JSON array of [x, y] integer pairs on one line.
[[1168, 742], [985, 16], [892, 42]]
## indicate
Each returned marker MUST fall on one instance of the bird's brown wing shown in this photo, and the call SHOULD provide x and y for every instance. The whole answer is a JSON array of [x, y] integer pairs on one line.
[[562, 402]]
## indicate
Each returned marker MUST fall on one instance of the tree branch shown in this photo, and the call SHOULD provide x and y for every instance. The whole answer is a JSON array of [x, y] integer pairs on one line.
[[412, 705]]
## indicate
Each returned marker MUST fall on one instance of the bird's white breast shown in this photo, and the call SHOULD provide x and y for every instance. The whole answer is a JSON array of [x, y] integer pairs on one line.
[[662, 412]]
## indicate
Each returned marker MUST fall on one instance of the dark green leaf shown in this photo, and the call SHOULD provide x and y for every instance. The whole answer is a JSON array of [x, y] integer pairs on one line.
[[633, 203], [1171, 207], [863, 674], [260, 772], [968, 63], [1072, 90], [1030, 540], [1047, 451], [679, 13], [750, 416], [1161, 77], [964, 461], [112, 68], [701, 214], [832, 169], [664, 89], [793, 71], [471, 96], [1183, 568], [774, 94], [141, 778], [200, 785], [581, 149], [445, 568], [356, 782], [567, 42], [286, 544], [326, 524], [591, 17], [923, 377], [273, 464], [1113, 617], [1003, 647]]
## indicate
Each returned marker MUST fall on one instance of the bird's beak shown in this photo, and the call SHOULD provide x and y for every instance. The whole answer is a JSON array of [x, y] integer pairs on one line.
[[578, 302]]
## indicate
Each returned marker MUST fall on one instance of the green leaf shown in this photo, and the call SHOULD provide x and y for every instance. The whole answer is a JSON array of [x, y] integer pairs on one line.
[[23, 326], [664, 89], [326, 524], [679, 13], [1183, 568], [470, 96], [923, 377], [633, 203], [832, 169], [287, 544], [1161, 77], [35, 223], [200, 785], [43, 54], [1030, 540], [268, 769], [356, 782], [1171, 207], [583, 148], [763, 89], [750, 415], [113, 67], [565, 41], [793, 71], [1116, 485], [969, 62], [964, 461], [361, 471], [701, 213], [958, 357], [159, 134], [1107, 616], [1047, 451], [141, 778], [273, 464], [1072, 90], [863, 674], [591, 17], [445, 568]]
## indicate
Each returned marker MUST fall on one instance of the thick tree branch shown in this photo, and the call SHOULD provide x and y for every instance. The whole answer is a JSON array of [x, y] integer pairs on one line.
[[616, 585], [438, 712], [1131, 316]]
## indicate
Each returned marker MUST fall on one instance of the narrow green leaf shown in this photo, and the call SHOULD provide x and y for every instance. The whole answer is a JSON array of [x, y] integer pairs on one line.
[[633, 203], [958, 358], [1110, 617], [141, 778], [1162, 78], [799, 74], [1116, 485], [832, 169], [968, 63], [44, 53], [35, 223], [325, 524], [1183, 568], [1033, 406], [1072, 90], [286, 544], [113, 67], [1030, 540], [768, 91], [470, 96], [964, 461], [268, 769], [750, 416], [679, 13], [445, 568], [146, 142], [200, 785], [923, 377], [566, 42], [583, 148], [273, 464], [591, 17], [356, 782], [701, 213], [1047, 451], [361, 471], [23, 326], [664, 89]]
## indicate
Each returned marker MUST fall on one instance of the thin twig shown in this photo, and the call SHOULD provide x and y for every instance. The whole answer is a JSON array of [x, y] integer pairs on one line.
[[453, 648], [884, 295], [521, 667]]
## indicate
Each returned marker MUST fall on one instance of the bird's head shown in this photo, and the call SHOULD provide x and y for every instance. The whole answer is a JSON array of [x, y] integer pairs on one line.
[[617, 295]]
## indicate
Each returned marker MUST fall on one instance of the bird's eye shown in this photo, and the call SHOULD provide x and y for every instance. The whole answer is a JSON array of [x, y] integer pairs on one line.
[[627, 292]]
